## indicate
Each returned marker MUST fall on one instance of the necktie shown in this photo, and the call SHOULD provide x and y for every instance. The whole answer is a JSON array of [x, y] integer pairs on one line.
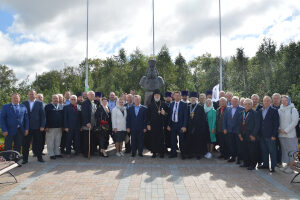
[[174, 114], [17, 109]]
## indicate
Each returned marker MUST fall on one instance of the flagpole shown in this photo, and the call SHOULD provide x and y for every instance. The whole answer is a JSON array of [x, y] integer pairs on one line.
[[153, 47], [87, 48], [220, 28]]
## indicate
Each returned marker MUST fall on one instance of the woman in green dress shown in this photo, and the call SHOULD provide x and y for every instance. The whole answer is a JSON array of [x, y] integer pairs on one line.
[[211, 115]]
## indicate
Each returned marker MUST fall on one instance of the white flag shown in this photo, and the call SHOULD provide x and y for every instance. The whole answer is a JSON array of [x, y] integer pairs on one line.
[[215, 93]]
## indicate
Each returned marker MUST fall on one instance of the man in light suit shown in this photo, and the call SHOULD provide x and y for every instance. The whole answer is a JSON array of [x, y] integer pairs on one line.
[[136, 123], [14, 123], [177, 124], [37, 122], [231, 127]]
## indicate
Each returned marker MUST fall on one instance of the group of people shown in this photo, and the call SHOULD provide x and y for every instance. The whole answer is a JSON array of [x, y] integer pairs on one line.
[[245, 131]]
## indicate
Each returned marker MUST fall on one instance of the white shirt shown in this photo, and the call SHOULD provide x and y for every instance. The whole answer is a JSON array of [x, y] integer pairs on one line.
[[175, 112], [31, 103]]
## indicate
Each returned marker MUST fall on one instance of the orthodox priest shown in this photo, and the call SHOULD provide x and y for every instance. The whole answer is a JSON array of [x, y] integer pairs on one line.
[[157, 113], [197, 136]]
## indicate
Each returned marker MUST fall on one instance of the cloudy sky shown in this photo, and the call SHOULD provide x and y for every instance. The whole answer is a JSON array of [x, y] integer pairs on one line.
[[37, 36]]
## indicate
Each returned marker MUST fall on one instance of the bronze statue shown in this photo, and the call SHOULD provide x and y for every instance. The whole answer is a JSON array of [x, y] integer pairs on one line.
[[151, 81]]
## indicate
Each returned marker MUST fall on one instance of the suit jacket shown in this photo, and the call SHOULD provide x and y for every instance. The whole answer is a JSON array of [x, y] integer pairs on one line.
[[139, 122], [251, 124], [269, 126], [72, 118], [54, 117], [86, 110], [231, 123], [10, 120], [182, 114], [37, 118]]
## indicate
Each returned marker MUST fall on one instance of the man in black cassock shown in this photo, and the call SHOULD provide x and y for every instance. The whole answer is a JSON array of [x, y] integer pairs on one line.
[[197, 136], [157, 113]]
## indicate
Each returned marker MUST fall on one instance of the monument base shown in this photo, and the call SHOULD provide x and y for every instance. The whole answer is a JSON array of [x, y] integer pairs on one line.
[[148, 96]]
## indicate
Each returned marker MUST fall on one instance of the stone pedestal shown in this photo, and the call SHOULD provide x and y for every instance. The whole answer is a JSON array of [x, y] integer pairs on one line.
[[148, 96]]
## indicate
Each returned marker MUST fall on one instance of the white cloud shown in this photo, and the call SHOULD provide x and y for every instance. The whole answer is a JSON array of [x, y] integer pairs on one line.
[[47, 34]]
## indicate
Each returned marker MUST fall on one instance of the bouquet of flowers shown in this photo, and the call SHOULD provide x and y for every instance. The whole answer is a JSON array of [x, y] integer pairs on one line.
[[1, 147], [104, 125]]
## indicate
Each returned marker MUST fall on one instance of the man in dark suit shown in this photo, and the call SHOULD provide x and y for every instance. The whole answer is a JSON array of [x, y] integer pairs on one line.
[[177, 124], [14, 123], [230, 126], [40, 97], [37, 122], [249, 127], [72, 125], [128, 104], [88, 110], [136, 123], [269, 124]]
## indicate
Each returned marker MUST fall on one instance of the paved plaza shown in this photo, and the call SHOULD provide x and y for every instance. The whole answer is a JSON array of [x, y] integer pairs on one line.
[[144, 178]]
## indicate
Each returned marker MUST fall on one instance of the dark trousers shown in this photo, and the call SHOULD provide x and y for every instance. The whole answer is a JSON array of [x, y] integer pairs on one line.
[[268, 147], [73, 137], [16, 139], [86, 142], [234, 145], [175, 131], [63, 142], [278, 148], [34, 136], [128, 145], [223, 142], [249, 152], [137, 142]]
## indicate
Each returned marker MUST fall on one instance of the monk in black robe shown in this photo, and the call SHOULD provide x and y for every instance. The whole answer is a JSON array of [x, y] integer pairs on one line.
[[157, 113], [197, 136]]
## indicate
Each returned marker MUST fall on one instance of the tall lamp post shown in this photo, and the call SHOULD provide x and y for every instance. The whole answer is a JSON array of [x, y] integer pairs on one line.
[[220, 28], [87, 49]]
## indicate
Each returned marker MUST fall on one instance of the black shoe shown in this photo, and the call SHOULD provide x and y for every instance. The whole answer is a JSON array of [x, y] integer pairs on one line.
[[154, 155], [173, 156], [182, 157], [58, 156], [128, 151], [43, 154], [161, 155], [141, 155], [238, 162], [221, 156], [41, 160], [262, 167], [52, 157], [272, 170], [251, 168], [231, 160], [132, 155], [24, 162], [198, 157], [226, 158], [62, 151]]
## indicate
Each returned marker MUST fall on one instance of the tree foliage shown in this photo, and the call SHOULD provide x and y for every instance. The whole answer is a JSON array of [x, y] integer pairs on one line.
[[272, 69]]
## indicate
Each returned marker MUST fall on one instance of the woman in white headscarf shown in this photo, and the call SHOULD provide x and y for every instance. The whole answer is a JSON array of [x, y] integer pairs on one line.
[[119, 114], [289, 118]]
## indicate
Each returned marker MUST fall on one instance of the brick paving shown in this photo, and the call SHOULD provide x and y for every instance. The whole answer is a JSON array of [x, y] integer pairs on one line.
[[144, 178]]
